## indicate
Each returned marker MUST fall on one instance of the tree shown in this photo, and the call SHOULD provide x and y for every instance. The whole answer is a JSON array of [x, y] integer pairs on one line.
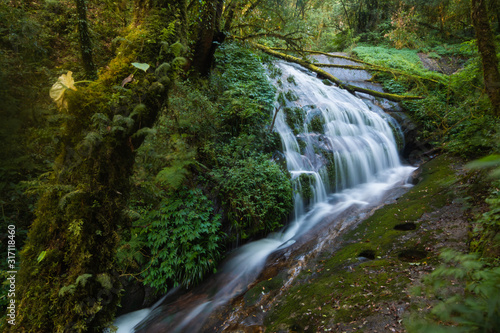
[[486, 45], [85, 42], [68, 281], [207, 35]]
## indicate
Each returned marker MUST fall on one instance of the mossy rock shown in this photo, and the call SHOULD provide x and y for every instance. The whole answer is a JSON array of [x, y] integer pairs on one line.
[[295, 119], [340, 286], [316, 124]]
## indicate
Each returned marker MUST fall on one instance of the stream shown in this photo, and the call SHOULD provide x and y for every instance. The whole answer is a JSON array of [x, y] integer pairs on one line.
[[342, 153]]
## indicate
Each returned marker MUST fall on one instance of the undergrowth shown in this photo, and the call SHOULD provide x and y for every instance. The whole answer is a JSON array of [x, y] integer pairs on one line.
[[204, 177], [455, 112]]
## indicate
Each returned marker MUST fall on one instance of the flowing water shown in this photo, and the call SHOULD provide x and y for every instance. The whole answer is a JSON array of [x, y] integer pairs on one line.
[[342, 154]]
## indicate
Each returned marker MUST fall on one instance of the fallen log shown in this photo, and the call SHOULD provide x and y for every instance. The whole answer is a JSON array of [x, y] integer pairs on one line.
[[368, 67], [324, 74], [379, 69], [322, 53]]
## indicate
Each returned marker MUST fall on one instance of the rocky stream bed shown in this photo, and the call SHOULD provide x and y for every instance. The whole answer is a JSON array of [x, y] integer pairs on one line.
[[363, 280]]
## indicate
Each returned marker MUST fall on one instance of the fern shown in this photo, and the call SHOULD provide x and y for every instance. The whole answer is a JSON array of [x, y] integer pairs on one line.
[[184, 237]]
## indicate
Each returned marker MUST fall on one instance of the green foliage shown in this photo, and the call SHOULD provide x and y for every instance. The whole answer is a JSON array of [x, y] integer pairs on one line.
[[256, 194], [212, 137], [316, 124], [478, 310], [404, 29], [181, 158], [295, 119], [248, 96], [68, 263], [142, 66], [184, 239], [455, 110]]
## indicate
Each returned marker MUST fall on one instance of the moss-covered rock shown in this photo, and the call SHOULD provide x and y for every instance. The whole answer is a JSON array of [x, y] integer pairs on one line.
[[342, 290]]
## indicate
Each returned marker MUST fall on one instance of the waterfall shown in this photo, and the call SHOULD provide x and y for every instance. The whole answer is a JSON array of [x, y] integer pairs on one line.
[[341, 153]]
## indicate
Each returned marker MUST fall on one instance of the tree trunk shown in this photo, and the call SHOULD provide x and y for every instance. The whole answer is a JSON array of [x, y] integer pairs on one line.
[[68, 280], [208, 33], [486, 45], [85, 42]]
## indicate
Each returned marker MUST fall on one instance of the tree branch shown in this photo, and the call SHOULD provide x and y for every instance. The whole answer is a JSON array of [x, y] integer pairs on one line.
[[341, 84], [368, 67]]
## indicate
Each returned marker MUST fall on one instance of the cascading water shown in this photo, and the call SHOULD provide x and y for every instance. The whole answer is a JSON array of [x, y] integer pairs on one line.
[[333, 143]]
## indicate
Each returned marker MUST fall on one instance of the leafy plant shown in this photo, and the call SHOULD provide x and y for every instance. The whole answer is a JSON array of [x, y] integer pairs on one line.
[[477, 310], [256, 194], [184, 239]]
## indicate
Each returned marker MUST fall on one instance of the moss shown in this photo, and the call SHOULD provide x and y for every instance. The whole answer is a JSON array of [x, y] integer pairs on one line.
[[262, 288], [331, 170], [343, 287], [291, 96], [294, 118], [79, 211], [281, 98], [305, 182], [397, 136], [274, 71], [302, 146], [316, 125], [291, 79]]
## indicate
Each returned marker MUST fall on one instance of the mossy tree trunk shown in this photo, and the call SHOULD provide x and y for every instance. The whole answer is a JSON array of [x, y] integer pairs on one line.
[[68, 280], [85, 41], [486, 45]]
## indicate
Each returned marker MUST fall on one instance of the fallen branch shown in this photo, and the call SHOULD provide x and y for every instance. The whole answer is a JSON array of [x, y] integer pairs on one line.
[[323, 53], [274, 118], [326, 75], [376, 68], [368, 67]]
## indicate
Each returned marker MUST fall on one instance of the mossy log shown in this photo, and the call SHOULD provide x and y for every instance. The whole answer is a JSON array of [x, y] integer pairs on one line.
[[322, 53], [371, 67], [341, 84], [368, 66]]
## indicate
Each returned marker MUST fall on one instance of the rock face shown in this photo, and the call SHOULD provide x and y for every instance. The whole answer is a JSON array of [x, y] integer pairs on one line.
[[446, 65], [137, 296]]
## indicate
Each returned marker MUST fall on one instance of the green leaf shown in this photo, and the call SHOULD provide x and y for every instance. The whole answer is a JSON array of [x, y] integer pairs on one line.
[[140, 65], [41, 256]]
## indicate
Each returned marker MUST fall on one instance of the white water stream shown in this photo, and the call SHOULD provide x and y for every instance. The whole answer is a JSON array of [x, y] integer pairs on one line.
[[353, 161]]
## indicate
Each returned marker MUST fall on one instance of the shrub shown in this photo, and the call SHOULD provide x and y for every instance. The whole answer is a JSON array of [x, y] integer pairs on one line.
[[256, 194], [478, 310]]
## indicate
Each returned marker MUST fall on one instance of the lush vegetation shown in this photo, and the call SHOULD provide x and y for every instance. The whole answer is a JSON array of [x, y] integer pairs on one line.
[[157, 157]]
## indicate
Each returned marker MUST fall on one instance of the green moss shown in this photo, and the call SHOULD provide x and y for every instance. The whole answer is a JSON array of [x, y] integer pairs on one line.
[[291, 79], [343, 287], [305, 184], [316, 125], [255, 293], [331, 170], [295, 119], [291, 96], [302, 146]]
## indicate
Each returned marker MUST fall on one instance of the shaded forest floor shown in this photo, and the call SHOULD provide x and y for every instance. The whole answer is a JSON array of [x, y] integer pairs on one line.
[[366, 281]]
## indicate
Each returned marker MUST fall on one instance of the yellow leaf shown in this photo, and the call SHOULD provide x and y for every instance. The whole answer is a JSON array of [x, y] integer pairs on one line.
[[57, 92]]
